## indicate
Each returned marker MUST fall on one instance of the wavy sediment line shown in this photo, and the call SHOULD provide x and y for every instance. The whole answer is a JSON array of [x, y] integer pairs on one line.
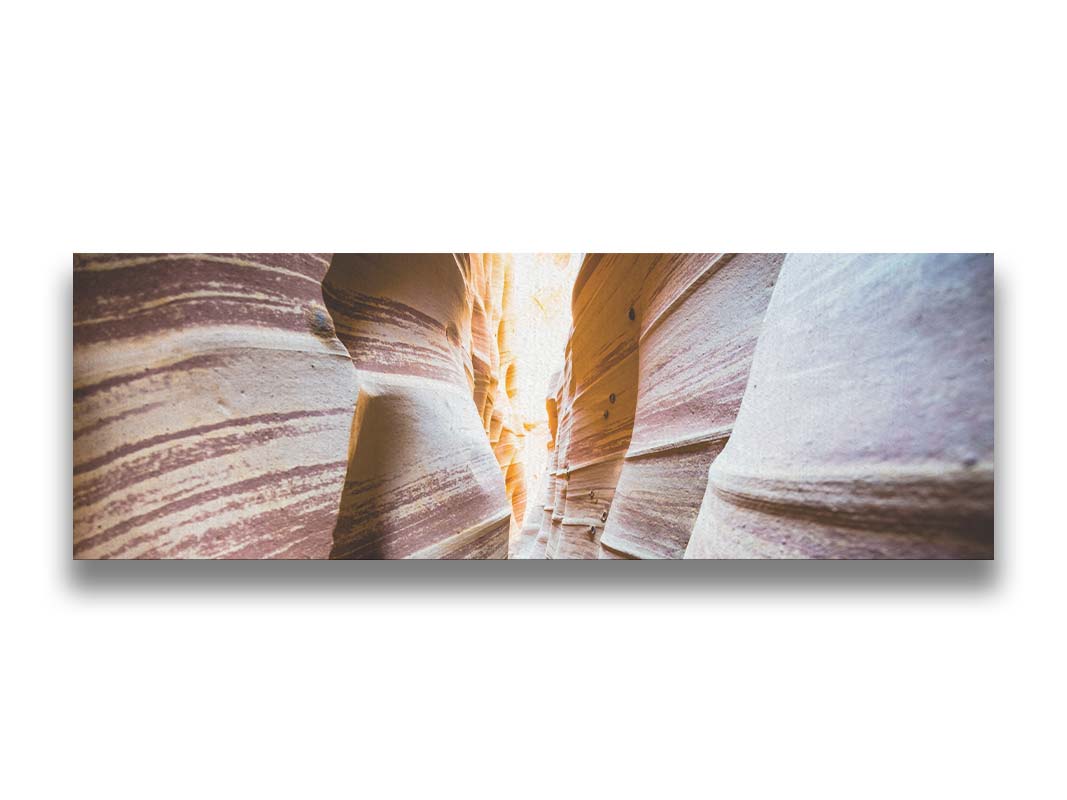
[[901, 497]]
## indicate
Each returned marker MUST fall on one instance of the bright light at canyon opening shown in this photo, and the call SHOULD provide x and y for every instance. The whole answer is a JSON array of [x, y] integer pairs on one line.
[[542, 297]]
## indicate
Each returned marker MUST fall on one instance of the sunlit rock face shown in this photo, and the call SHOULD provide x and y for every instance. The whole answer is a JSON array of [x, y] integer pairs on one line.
[[866, 430], [212, 407], [656, 365], [423, 480], [294, 406], [754, 406], [700, 317], [595, 400], [494, 300]]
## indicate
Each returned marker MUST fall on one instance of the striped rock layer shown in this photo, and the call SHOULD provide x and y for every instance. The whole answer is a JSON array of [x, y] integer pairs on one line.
[[700, 319], [655, 369], [754, 406], [212, 407], [423, 480], [866, 430], [291, 406], [495, 371]]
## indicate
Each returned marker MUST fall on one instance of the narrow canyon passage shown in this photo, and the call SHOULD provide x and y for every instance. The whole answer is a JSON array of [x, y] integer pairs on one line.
[[477, 405], [656, 366], [452, 357], [621, 414], [772, 406]]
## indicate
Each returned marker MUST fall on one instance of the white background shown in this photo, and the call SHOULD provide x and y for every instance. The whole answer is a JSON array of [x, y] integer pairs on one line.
[[560, 126]]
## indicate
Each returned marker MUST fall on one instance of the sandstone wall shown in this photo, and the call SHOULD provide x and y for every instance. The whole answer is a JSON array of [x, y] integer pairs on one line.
[[364, 406], [250, 406], [844, 410], [700, 317], [867, 427], [655, 368], [495, 366], [212, 407]]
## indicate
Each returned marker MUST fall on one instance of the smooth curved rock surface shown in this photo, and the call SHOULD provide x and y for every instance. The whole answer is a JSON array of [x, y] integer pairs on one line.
[[596, 398], [287, 406], [212, 407], [866, 430], [656, 365], [365, 406], [496, 367], [423, 481], [712, 407], [700, 317]]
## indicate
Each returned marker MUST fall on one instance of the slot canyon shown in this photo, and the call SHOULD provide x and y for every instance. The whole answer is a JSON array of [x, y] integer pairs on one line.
[[533, 406]]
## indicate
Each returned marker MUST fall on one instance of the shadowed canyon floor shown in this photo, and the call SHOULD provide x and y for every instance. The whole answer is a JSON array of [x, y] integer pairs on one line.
[[670, 406]]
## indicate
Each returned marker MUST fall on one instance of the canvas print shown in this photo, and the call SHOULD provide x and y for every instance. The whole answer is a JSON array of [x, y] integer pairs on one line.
[[533, 406]]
